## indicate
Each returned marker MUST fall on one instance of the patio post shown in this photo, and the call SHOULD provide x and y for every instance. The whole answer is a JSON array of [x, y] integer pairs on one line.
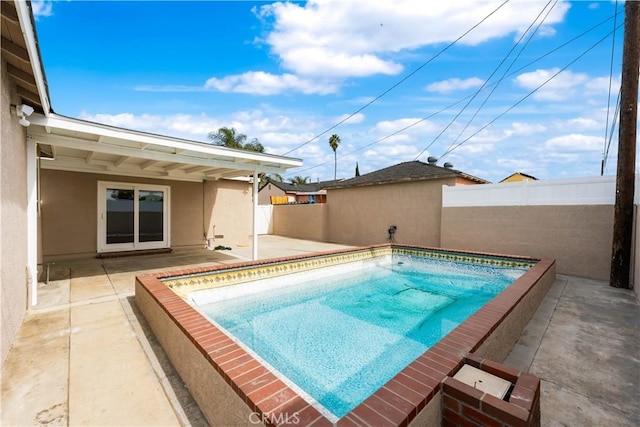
[[32, 219], [254, 244]]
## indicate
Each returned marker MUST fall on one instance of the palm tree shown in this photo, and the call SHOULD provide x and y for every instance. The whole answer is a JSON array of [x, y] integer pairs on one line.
[[298, 179], [229, 137], [334, 141]]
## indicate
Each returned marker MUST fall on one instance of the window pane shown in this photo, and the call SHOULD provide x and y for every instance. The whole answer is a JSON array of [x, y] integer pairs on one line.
[[151, 216], [119, 216]]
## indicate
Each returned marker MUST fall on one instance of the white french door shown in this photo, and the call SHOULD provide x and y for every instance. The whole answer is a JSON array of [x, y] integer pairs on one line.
[[132, 216]]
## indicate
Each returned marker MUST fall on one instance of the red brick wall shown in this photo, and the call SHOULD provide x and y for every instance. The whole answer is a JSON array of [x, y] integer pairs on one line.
[[463, 405]]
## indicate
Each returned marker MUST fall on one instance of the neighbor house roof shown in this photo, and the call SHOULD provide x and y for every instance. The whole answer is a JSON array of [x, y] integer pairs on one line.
[[524, 175], [313, 187], [403, 172]]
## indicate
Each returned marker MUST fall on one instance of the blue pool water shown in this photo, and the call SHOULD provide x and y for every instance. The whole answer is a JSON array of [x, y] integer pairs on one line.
[[341, 338]]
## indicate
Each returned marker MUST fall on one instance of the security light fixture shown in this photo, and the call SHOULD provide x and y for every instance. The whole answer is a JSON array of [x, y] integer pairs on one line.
[[22, 111]]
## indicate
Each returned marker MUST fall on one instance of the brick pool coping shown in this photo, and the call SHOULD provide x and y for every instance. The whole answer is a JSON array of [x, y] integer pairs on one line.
[[396, 403]]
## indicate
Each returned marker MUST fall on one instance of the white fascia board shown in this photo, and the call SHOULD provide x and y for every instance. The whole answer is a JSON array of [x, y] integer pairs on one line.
[[60, 122], [24, 16], [128, 152]]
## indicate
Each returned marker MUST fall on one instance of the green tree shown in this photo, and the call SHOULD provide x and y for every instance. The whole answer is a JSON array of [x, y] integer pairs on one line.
[[229, 137], [298, 179], [334, 141], [269, 177]]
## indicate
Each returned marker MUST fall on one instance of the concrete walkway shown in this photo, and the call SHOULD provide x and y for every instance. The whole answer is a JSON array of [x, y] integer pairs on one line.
[[85, 356], [584, 344]]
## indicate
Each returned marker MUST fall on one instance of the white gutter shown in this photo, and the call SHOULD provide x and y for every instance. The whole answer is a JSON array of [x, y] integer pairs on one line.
[[24, 16]]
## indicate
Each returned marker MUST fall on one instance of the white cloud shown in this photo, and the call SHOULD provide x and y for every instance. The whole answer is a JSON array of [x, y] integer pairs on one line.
[[388, 153], [354, 119], [516, 164], [195, 127], [546, 31], [42, 8], [475, 149], [278, 133], [321, 43], [355, 38], [559, 88], [524, 129], [583, 123], [408, 126], [315, 61], [575, 142], [454, 84], [600, 86], [261, 83]]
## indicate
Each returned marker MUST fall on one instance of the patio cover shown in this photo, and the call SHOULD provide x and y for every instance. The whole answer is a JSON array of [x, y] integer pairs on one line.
[[80, 146], [75, 145]]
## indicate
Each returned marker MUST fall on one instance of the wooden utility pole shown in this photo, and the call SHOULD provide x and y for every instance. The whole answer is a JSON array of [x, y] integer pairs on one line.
[[625, 177]]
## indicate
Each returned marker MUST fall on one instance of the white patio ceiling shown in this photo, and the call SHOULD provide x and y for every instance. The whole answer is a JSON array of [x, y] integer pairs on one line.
[[80, 146]]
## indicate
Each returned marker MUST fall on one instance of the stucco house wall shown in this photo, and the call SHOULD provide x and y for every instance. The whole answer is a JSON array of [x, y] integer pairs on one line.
[[229, 207], [264, 195], [69, 211], [578, 237], [14, 279], [362, 215], [301, 221]]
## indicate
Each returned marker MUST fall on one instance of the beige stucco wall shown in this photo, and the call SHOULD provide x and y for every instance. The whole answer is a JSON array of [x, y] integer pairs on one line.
[[579, 238], [219, 403], [264, 195], [13, 217], [362, 215], [69, 211], [301, 221], [230, 210], [499, 344]]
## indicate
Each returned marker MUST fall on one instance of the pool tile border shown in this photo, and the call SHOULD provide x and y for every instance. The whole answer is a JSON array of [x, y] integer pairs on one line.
[[186, 281], [396, 403]]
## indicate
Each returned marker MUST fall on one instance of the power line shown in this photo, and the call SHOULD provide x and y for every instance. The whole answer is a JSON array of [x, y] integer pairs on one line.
[[526, 96], [606, 126], [524, 67], [401, 81], [613, 127], [493, 89], [484, 84]]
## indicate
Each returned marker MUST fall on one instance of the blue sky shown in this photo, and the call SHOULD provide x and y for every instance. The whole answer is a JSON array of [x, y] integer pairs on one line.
[[379, 74]]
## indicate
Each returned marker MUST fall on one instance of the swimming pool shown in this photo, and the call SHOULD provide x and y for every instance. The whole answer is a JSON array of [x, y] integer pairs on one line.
[[215, 363], [341, 338]]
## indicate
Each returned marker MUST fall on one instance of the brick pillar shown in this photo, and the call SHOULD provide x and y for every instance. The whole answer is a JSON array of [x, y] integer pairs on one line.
[[463, 405]]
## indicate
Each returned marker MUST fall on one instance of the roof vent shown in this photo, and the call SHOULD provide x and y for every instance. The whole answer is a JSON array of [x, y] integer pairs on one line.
[[448, 165], [432, 160]]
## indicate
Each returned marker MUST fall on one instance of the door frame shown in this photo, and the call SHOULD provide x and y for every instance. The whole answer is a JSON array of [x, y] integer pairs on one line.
[[136, 245]]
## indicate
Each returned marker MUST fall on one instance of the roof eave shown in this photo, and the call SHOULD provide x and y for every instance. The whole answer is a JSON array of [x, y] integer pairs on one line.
[[25, 16], [54, 121]]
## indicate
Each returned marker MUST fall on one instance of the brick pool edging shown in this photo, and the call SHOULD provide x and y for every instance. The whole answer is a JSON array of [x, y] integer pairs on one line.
[[397, 403]]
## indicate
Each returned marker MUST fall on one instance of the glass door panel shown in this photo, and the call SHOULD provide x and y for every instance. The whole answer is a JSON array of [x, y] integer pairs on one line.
[[120, 216], [132, 216], [151, 216]]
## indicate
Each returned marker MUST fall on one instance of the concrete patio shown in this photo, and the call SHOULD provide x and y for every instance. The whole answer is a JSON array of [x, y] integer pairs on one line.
[[85, 356]]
